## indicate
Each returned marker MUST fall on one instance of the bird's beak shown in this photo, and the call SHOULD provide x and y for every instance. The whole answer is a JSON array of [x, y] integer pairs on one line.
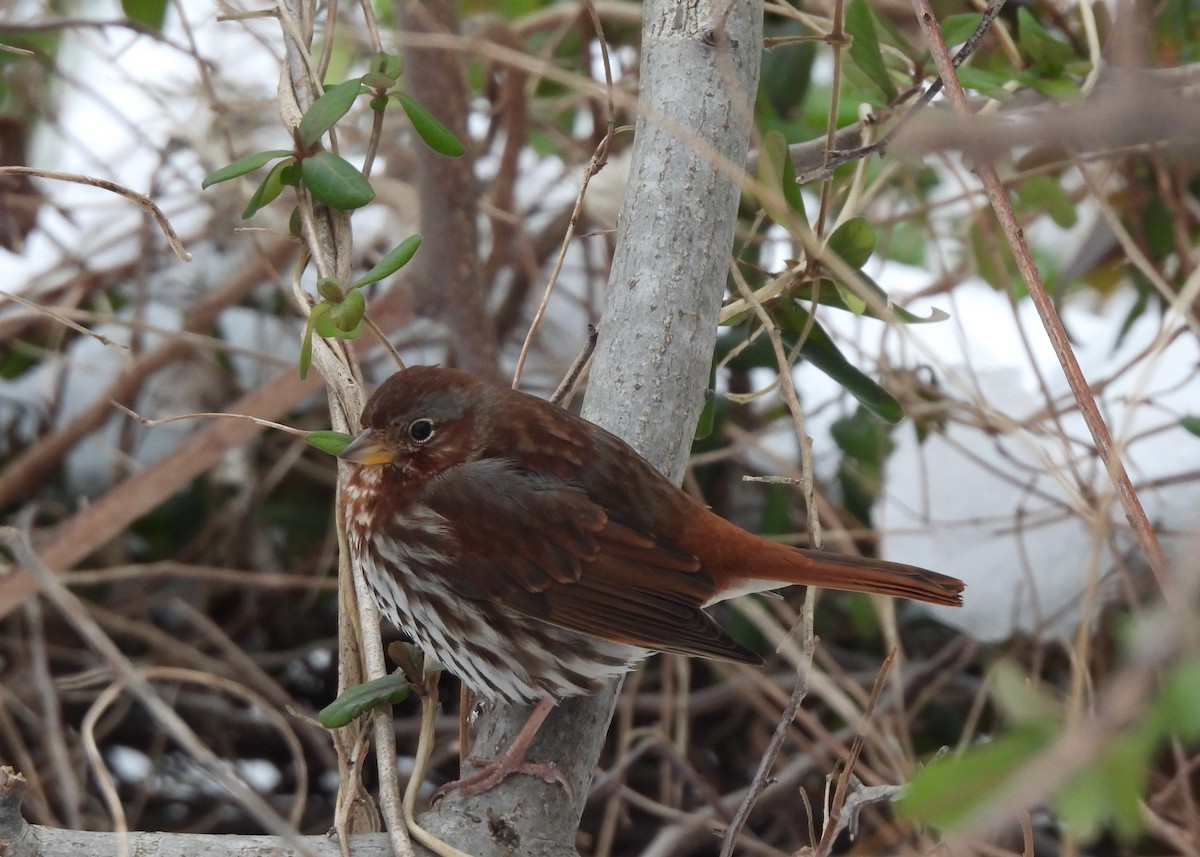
[[367, 449]]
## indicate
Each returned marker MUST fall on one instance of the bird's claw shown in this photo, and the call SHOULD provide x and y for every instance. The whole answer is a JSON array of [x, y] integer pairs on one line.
[[496, 771]]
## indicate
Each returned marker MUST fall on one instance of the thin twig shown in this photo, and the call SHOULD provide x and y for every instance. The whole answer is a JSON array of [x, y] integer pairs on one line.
[[258, 421], [63, 771], [1044, 304], [598, 160], [63, 320], [142, 201], [759, 783], [425, 745], [835, 158], [384, 341], [581, 361], [834, 822]]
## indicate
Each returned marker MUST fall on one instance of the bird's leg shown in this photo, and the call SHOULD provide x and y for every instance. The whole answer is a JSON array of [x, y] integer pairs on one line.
[[496, 771]]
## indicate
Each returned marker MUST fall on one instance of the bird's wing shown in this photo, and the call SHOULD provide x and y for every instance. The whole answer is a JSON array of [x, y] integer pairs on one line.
[[543, 548]]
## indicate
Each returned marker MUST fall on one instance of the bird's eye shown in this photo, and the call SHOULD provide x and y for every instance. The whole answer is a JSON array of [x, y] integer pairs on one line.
[[421, 430]]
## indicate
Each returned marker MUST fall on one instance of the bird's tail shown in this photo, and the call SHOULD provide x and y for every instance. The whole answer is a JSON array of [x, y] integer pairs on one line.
[[775, 565]]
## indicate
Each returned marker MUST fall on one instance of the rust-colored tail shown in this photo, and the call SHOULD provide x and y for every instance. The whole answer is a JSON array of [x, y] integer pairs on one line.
[[741, 562]]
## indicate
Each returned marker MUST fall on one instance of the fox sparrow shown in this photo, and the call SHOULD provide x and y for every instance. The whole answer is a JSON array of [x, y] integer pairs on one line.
[[535, 554]]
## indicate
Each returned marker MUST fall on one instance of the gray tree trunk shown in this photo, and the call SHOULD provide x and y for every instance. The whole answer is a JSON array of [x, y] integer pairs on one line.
[[700, 66]]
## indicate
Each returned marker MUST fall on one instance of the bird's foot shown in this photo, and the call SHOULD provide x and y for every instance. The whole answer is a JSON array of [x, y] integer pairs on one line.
[[496, 771]]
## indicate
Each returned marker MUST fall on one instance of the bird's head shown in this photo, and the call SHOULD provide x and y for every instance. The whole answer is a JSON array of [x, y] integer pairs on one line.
[[420, 422]]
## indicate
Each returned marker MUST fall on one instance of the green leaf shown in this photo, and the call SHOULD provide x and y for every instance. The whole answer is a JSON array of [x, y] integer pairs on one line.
[[1109, 790], [866, 443], [889, 34], [984, 82], [708, 415], [836, 297], [864, 50], [149, 13], [400, 256], [850, 297], [1048, 53], [378, 80], [1061, 87], [335, 182], [775, 168], [362, 698], [1043, 193], [241, 166], [344, 320], [332, 442], [1190, 424], [950, 791], [330, 289], [436, 135], [956, 29], [1020, 700], [854, 241], [819, 350], [314, 316], [324, 113], [268, 189], [1180, 703], [994, 262], [390, 64]]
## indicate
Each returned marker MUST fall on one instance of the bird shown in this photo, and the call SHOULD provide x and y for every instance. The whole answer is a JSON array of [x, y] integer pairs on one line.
[[537, 555]]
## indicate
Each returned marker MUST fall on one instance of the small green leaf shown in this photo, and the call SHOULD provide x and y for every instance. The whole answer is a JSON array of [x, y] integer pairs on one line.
[[330, 289], [335, 182], [378, 80], [864, 50], [850, 298], [1180, 703], [324, 113], [149, 13], [775, 167], [865, 442], [362, 698], [346, 317], [1060, 87], [948, 792], [390, 64], [1049, 54], [314, 316], [332, 442], [819, 349], [400, 256], [854, 241], [890, 35], [956, 29], [1043, 193], [984, 82], [241, 166], [268, 189], [328, 328], [1190, 424], [836, 297], [1108, 790], [436, 135], [708, 414], [1020, 700]]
